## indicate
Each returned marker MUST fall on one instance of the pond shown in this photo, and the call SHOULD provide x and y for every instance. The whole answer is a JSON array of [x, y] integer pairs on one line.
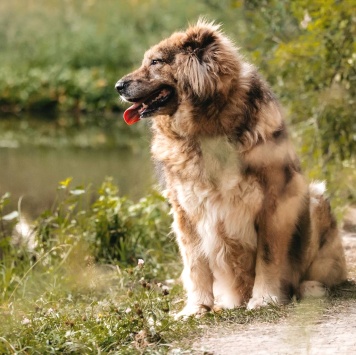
[[32, 172]]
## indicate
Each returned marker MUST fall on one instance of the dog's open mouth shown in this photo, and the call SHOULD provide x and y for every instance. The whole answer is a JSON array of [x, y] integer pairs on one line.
[[146, 106]]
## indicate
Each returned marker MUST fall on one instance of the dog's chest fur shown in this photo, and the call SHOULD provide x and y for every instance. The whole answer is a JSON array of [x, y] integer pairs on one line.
[[205, 178]]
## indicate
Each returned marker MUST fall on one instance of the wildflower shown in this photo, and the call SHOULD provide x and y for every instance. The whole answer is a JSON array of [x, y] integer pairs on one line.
[[153, 330], [306, 20], [140, 263], [25, 321], [128, 310]]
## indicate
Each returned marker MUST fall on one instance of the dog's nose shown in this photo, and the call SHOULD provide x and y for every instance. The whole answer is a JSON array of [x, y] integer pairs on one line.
[[121, 85]]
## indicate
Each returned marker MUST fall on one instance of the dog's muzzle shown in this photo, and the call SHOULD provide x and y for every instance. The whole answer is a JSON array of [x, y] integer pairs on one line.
[[121, 85]]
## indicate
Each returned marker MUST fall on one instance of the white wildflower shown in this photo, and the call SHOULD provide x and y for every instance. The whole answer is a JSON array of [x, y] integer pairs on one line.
[[140, 262], [304, 24], [25, 321]]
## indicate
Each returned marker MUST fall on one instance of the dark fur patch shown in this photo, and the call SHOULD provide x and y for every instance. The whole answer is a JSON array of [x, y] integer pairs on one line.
[[323, 237], [257, 95], [288, 174], [290, 169], [280, 134], [333, 223], [325, 233], [289, 290], [260, 174], [169, 55], [257, 227], [300, 237], [296, 246], [267, 255], [197, 42]]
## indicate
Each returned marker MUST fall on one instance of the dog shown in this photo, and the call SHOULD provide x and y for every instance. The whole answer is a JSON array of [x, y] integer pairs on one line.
[[250, 229]]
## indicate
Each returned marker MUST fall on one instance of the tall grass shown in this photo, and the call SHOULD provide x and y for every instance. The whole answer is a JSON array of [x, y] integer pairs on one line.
[[101, 277], [97, 277], [78, 285]]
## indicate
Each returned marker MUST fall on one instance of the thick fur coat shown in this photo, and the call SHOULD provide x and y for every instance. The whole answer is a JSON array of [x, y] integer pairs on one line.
[[250, 229]]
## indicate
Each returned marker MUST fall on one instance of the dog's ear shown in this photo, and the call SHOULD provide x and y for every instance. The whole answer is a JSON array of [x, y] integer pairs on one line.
[[197, 65]]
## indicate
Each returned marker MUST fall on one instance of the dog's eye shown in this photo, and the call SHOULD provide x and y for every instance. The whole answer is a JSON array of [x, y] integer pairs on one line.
[[156, 61]]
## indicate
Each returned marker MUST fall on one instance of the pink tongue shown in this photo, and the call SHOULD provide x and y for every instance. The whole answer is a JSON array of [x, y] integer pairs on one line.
[[131, 115]]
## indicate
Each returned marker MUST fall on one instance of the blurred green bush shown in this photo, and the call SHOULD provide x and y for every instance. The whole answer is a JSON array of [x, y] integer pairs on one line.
[[67, 55]]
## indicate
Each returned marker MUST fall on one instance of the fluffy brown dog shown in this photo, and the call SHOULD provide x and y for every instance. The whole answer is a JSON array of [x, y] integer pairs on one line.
[[249, 227]]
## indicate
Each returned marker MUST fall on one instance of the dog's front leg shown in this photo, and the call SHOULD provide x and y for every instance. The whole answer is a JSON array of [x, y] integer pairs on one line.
[[197, 280], [197, 277]]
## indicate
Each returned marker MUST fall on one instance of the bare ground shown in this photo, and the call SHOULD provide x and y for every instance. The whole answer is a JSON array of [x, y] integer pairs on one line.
[[313, 326]]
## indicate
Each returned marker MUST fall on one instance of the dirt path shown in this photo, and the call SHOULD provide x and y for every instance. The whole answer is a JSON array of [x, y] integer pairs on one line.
[[313, 327]]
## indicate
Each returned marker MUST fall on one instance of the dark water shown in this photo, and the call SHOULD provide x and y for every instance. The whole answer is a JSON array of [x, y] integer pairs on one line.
[[33, 173]]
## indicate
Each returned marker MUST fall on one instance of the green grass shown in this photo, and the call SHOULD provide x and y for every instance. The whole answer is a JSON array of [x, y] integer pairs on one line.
[[108, 310], [97, 308], [80, 289]]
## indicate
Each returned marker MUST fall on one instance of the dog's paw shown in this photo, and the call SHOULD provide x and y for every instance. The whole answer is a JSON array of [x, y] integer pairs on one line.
[[192, 310], [258, 302], [312, 289]]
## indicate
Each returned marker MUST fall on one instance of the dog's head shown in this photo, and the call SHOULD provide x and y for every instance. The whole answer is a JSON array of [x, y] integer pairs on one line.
[[192, 66]]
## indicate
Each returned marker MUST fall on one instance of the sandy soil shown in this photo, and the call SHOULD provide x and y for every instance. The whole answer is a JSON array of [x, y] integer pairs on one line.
[[314, 327]]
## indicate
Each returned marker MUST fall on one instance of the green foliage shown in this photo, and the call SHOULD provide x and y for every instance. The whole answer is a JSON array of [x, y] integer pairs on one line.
[[126, 231], [68, 55], [307, 51], [98, 278], [80, 286], [318, 65], [113, 228]]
